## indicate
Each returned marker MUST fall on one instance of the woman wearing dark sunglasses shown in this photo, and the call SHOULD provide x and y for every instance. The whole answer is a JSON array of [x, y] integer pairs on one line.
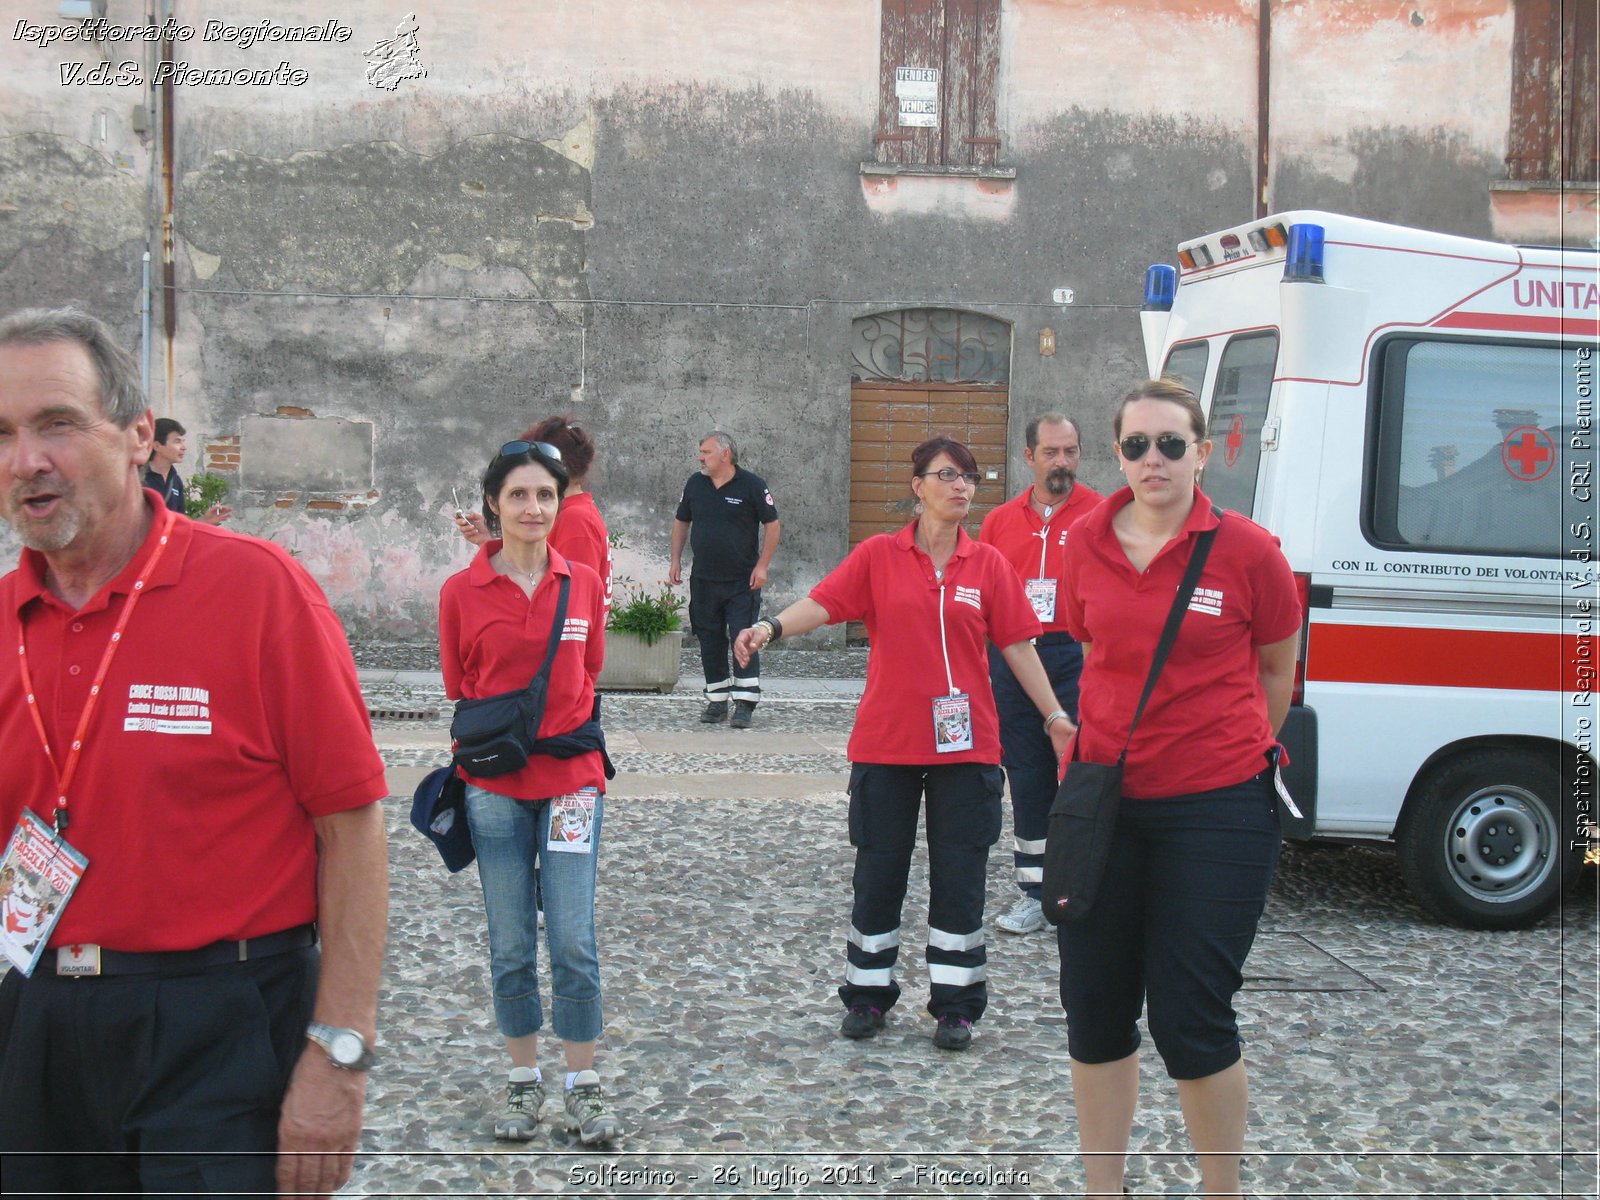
[[1197, 833], [932, 598], [495, 624]]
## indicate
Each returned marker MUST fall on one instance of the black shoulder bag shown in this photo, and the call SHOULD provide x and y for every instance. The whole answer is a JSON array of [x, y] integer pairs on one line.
[[1084, 813], [495, 735]]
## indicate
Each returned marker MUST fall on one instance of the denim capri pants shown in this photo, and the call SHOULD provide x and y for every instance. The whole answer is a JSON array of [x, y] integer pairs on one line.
[[1177, 912], [509, 835]]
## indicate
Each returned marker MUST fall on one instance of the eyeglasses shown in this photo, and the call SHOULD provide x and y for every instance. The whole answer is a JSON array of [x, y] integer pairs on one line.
[[1171, 445], [521, 447], [950, 475]]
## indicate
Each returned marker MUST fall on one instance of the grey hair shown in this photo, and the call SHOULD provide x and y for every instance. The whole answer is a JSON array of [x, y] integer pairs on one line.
[[122, 399], [1030, 435], [723, 442]]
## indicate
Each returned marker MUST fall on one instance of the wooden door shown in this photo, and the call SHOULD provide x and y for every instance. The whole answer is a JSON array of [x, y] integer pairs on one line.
[[889, 420]]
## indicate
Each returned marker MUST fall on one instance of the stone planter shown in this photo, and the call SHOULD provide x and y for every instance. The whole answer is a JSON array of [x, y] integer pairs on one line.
[[632, 666]]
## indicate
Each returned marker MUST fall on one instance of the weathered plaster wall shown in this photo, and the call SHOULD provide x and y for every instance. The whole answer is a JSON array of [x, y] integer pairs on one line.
[[652, 215]]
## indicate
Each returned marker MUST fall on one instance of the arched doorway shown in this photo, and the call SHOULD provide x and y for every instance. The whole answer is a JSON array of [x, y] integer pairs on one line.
[[913, 373]]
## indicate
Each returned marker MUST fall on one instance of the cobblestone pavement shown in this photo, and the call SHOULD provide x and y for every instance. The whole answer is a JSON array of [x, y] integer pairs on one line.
[[1389, 1055]]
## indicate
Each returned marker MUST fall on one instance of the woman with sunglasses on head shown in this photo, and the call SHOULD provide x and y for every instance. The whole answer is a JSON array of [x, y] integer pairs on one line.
[[1196, 838], [579, 533], [931, 597], [496, 619]]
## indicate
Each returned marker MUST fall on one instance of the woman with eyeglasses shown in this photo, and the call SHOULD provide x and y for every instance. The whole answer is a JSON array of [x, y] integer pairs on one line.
[[931, 598], [579, 533], [1197, 834], [496, 619]]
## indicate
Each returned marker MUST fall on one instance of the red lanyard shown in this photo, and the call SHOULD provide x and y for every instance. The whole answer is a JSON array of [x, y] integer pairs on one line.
[[64, 777]]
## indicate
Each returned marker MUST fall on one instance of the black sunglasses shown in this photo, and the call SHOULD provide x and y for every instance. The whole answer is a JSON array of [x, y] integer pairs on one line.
[[1171, 445], [521, 447]]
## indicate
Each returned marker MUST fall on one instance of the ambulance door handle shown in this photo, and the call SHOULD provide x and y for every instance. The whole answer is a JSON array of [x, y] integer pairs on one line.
[[1269, 434]]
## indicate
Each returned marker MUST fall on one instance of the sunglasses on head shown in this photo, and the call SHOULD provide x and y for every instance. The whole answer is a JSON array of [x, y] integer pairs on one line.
[[521, 447], [1171, 445]]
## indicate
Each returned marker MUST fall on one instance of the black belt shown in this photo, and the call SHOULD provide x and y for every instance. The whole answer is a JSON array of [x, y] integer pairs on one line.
[[1059, 637], [182, 962]]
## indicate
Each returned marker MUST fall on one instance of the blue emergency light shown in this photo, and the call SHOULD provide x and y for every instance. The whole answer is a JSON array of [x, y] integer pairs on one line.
[[1303, 263], [1160, 287]]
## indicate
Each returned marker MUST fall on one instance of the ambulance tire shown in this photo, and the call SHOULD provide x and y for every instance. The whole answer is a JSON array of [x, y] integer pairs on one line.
[[1486, 842]]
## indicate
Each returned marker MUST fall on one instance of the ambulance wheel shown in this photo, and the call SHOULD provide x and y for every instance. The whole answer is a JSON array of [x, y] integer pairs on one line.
[[1483, 843]]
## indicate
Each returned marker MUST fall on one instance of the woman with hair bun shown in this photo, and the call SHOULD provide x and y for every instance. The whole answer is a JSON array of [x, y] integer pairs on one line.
[[932, 598]]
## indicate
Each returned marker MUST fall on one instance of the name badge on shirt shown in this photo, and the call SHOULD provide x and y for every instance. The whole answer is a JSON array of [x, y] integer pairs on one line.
[[952, 723], [37, 878], [572, 822], [1042, 595]]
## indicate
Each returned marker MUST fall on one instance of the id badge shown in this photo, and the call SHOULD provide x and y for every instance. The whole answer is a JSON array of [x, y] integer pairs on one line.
[[952, 723], [572, 822], [1276, 755], [37, 877], [1042, 595]]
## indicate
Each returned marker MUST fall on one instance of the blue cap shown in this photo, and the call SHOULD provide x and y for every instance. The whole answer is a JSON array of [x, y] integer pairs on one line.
[[439, 813]]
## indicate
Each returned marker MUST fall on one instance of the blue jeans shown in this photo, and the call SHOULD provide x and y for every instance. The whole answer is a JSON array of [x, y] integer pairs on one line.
[[509, 836]]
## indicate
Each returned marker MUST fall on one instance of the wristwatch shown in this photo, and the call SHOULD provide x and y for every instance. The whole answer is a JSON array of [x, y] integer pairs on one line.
[[346, 1048]]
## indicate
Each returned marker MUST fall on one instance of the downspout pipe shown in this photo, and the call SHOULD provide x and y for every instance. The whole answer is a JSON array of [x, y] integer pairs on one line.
[[1263, 105], [169, 282]]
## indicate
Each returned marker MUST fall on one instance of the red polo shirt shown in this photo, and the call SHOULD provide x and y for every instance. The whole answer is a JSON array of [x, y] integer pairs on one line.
[[230, 717], [580, 535], [1206, 724], [492, 639], [1035, 548], [889, 583]]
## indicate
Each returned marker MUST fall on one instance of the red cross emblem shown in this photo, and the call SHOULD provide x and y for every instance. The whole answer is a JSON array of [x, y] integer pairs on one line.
[[1235, 440], [1528, 453]]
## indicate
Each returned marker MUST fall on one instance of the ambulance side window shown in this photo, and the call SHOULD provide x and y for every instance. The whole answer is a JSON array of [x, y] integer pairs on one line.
[[1479, 447], [1186, 362], [1237, 411]]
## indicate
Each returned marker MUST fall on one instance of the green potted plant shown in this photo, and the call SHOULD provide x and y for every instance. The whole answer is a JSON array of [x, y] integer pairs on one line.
[[204, 490], [644, 639]]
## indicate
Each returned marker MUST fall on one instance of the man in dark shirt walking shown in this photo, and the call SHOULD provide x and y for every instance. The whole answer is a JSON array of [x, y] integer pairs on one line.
[[726, 508]]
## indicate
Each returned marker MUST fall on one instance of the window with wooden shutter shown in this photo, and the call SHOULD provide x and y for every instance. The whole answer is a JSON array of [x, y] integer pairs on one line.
[[1555, 134], [940, 62]]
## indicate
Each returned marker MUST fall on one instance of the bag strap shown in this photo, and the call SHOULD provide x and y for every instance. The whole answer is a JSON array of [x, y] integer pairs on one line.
[[556, 629], [1169, 632]]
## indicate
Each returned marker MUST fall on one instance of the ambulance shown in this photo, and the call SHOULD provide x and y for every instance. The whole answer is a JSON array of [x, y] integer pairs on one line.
[[1412, 414]]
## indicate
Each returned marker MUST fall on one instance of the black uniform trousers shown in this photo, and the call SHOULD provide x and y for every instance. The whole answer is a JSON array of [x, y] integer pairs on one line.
[[111, 1084], [963, 822], [719, 610]]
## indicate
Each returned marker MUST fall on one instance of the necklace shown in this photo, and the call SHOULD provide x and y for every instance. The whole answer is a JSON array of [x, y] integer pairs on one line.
[[515, 571]]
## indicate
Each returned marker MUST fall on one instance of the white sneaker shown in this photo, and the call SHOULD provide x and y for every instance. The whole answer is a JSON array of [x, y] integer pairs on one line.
[[1025, 916]]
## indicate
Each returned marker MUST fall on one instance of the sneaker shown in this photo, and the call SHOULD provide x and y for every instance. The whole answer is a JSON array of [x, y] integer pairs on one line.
[[715, 714], [861, 1021], [541, 918], [743, 711], [587, 1115], [1025, 916], [524, 1099], [953, 1032]]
